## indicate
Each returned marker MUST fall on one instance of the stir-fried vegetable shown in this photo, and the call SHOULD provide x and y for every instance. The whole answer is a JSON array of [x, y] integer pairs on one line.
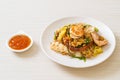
[[55, 36], [97, 50], [96, 29], [81, 58], [87, 40], [62, 33]]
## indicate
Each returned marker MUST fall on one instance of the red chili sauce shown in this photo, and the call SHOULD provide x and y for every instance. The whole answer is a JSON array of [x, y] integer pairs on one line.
[[19, 42]]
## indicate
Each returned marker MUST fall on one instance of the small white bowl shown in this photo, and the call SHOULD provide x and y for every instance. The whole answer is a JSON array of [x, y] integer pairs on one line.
[[22, 50]]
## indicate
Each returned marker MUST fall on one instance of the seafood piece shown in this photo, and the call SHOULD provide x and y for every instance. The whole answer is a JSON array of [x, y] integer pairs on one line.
[[76, 31], [96, 37]]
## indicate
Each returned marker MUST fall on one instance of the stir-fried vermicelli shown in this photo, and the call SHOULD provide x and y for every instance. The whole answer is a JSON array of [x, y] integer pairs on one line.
[[78, 40]]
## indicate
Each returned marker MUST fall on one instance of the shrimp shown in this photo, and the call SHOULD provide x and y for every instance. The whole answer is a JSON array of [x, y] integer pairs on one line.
[[97, 40], [76, 31]]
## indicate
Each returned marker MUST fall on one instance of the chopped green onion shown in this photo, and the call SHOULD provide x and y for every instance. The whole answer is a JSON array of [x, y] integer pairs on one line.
[[87, 40], [86, 25], [96, 29], [81, 58], [68, 31]]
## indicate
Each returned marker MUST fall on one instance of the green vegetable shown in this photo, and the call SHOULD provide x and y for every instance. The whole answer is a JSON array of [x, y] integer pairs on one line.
[[81, 58], [87, 40], [68, 31], [86, 25], [55, 36], [96, 29]]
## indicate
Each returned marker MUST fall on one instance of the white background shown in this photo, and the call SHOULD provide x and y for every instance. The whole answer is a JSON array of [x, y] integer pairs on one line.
[[32, 16]]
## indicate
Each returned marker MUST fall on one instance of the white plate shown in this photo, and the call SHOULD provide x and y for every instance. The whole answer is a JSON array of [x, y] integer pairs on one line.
[[47, 38]]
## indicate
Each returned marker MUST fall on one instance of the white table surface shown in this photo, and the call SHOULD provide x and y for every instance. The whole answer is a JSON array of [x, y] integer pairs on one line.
[[32, 16]]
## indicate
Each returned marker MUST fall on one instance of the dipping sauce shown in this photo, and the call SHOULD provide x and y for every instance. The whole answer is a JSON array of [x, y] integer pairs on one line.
[[19, 42]]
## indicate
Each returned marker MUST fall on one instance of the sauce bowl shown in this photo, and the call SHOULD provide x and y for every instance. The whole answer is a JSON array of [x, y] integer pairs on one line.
[[20, 42]]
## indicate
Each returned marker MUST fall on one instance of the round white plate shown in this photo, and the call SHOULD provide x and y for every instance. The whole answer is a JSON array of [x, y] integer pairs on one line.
[[47, 38]]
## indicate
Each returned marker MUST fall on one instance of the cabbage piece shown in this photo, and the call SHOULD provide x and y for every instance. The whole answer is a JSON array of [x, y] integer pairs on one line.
[[97, 50]]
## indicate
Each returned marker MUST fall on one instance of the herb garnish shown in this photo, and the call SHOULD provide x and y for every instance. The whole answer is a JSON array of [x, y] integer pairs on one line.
[[81, 58]]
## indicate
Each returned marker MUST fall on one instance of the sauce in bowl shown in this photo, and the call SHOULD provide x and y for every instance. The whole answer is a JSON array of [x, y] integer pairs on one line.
[[19, 42]]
